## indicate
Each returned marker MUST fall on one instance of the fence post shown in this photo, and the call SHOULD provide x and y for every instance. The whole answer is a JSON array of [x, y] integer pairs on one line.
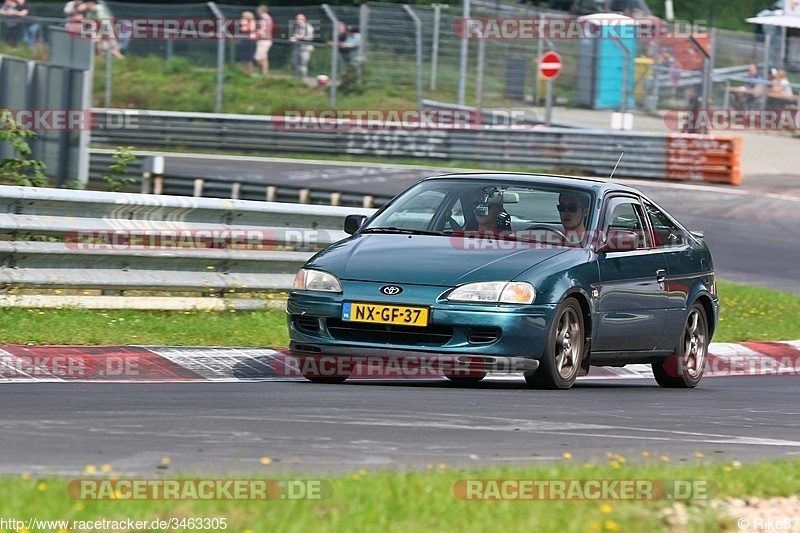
[[334, 53], [479, 81], [462, 71], [418, 30], [108, 78], [363, 27], [437, 16], [220, 56]]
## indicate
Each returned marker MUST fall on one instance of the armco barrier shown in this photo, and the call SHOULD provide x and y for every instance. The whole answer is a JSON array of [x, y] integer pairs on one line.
[[291, 233], [593, 152]]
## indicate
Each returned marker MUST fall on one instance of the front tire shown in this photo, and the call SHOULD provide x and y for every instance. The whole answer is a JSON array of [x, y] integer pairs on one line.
[[563, 352], [684, 369]]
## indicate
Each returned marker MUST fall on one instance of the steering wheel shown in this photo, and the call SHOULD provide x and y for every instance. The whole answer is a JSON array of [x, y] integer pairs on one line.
[[453, 223], [551, 229]]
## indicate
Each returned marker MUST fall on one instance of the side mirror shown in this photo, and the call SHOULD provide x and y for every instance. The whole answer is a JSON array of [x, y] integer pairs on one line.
[[353, 222], [620, 240], [699, 234]]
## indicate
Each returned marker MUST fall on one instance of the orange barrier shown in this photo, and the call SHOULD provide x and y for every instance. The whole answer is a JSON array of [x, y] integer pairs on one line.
[[712, 158]]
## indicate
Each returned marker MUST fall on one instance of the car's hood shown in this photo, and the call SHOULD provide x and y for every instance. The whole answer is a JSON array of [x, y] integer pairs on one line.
[[422, 259]]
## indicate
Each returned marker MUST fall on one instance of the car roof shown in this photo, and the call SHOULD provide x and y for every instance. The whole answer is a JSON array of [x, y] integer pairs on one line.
[[596, 185]]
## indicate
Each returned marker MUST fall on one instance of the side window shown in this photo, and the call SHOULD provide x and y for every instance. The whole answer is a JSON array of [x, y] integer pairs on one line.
[[416, 212], [626, 215], [665, 232]]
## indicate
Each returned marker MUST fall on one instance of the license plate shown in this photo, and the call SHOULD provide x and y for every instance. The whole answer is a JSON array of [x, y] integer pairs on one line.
[[385, 314]]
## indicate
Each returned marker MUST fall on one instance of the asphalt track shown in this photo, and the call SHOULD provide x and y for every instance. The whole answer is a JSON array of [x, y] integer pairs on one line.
[[305, 427], [753, 230]]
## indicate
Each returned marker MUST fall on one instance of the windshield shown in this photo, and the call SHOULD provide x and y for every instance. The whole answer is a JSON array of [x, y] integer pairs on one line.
[[507, 209]]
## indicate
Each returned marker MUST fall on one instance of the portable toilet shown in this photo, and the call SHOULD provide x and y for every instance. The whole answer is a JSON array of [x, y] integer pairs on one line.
[[609, 42]]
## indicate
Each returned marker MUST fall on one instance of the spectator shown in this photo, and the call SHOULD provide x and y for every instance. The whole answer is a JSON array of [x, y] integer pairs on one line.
[[97, 11], [74, 8], [264, 32], [754, 87], [13, 12], [341, 38], [246, 47], [31, 32], [303, 35], [352, 46], [781, 88]]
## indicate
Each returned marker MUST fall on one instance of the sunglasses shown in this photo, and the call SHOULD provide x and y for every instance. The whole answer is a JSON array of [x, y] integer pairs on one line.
[[568, 207]]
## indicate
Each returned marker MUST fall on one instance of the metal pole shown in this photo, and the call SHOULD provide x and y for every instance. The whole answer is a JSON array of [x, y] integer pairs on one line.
[[334, 53], [783, 48], [220, 58], [537, 96], [767, 46], [462, 73], [363, 27], [548, 103], [108, 77], [479, 81], [710, 89], [437, 15], [418, 28]]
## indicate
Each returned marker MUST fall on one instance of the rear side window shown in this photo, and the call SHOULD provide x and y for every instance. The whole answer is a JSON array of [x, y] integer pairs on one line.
[[665, 232], [626, 215]]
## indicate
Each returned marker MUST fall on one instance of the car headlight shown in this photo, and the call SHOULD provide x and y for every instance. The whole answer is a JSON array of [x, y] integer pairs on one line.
[[508, 292], [308, 279]]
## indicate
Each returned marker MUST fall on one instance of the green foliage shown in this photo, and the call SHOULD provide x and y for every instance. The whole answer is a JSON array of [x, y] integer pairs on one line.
[[118, 179], [351, 81], [19, 169]]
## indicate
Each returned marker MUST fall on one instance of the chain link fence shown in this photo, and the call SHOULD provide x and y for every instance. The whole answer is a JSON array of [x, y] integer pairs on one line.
[[494, 73]]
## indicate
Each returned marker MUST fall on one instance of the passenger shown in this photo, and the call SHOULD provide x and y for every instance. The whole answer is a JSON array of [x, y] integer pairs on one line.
[[573, 210]]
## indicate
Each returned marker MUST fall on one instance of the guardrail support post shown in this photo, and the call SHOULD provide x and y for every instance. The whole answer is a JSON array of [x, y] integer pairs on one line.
[[303, 197], [368, 202], [158, 185], [236, 188], [198, 187], [336, 198], [272, 193], [146, 176]]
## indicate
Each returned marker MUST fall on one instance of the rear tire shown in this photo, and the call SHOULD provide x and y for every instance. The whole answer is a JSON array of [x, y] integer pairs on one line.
[[563, 352], [684, 369]]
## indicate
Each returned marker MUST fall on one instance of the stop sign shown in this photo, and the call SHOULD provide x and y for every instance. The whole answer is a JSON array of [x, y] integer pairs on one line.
[[550, 65]]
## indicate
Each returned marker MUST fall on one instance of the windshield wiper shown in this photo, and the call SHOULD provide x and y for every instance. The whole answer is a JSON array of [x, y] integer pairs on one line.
[[403, 231]]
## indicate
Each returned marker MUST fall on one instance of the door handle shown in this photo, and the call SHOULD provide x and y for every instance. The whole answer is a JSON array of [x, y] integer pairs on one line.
[[661, 275]]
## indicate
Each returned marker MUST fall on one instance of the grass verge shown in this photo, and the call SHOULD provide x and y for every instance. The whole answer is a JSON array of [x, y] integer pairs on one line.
[[403, 501], [748, 314]]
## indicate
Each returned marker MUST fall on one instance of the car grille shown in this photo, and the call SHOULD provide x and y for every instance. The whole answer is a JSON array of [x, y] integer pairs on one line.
[[483, 335], [389, 334], [309, 324]]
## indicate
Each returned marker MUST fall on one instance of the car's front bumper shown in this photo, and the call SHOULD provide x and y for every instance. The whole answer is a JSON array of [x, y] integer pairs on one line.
[[521, 331]]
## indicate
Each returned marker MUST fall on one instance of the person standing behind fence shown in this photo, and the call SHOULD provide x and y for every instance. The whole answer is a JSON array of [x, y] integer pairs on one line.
[[303, 35], [264, 43], [13, 12], [352, 45], [97, 11], [341, 38], [246, 47]]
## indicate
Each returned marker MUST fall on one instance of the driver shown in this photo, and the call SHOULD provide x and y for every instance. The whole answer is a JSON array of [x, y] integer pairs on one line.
[[573, 210]]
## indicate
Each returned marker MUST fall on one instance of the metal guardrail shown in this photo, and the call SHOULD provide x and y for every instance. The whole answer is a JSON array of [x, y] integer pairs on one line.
[[88, 239], [590, 151]]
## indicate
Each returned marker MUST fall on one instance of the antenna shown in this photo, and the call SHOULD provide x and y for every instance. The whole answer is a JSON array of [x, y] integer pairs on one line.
[[615, 166]]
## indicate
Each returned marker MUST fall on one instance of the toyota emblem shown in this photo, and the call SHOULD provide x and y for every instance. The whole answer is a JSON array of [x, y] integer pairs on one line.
[[391, 290]]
